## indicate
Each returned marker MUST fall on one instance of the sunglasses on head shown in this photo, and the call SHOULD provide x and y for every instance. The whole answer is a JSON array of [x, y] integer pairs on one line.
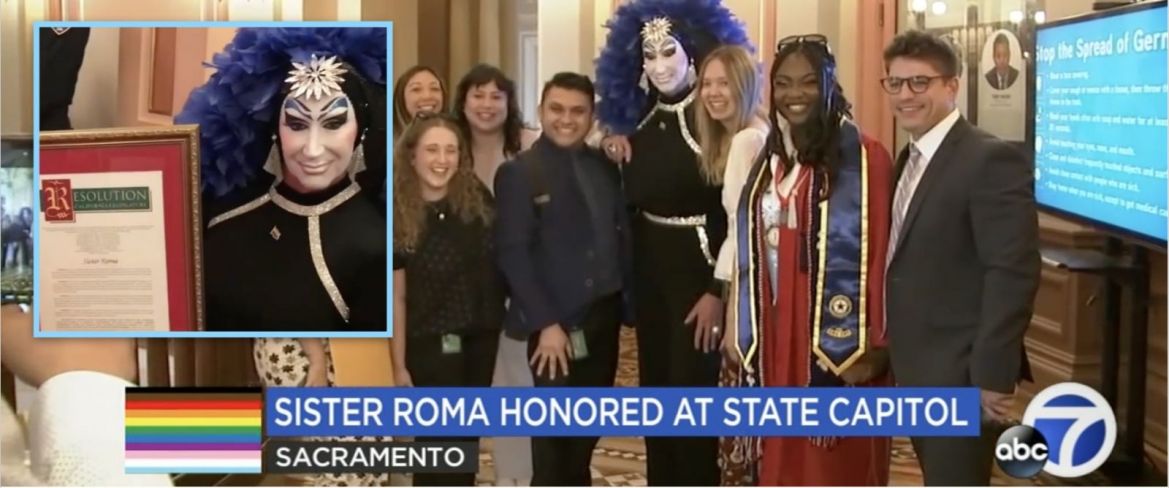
[[817, 39]]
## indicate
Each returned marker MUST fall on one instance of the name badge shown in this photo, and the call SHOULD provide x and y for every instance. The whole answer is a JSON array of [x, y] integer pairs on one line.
[[580, 347], [452, 344]]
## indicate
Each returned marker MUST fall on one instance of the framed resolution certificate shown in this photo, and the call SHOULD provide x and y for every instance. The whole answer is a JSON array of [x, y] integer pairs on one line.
[[118, 232]]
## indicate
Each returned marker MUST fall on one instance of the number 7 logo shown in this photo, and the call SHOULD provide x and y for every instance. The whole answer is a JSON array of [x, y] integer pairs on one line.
[[1079, 426]]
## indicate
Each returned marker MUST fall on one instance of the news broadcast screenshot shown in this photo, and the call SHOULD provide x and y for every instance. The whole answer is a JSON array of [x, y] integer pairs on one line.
[[584, 242]]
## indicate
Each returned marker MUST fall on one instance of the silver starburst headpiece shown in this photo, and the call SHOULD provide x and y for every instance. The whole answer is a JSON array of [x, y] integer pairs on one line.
[[320, 77], [656, 30]]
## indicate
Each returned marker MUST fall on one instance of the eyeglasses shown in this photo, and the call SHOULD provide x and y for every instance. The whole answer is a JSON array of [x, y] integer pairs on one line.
[[818, 39], [917, 84]]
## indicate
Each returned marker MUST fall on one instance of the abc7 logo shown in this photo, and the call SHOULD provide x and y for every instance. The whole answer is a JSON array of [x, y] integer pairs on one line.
[[1077, 421]]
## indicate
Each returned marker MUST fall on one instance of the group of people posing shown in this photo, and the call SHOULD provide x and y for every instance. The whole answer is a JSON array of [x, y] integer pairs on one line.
[[748, 243]]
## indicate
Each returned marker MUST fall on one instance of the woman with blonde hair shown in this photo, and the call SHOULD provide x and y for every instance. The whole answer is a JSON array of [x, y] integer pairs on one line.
[[732, 130], [448, 294]]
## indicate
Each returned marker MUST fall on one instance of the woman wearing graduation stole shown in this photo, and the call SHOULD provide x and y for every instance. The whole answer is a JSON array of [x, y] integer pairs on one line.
[[806, 305]]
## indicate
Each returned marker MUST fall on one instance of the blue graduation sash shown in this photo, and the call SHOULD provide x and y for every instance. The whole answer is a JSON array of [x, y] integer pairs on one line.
[[840, 268], [746, 272], [838, 265]]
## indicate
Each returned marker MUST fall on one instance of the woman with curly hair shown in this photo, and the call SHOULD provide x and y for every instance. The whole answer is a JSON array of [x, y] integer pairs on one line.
[[448, 294]]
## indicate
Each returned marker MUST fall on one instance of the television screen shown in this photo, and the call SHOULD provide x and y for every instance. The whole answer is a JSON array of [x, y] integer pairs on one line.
[[16, 194], [1100, 120]]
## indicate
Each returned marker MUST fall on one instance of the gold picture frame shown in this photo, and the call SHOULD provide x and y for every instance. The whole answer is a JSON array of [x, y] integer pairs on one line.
[[171, 150]]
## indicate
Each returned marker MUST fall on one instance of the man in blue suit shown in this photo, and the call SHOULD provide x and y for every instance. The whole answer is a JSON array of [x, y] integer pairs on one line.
[[564, 247]]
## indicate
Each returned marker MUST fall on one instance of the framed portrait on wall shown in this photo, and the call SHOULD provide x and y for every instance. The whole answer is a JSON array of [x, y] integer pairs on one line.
[[1002, 86], [992, 76], [118, 232]]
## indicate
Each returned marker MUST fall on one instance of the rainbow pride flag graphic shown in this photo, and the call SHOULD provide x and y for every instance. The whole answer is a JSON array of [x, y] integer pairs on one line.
[[193, 430]]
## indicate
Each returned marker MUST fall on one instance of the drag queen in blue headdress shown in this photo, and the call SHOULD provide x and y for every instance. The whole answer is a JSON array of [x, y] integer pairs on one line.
[[292, 135], [646, 81]]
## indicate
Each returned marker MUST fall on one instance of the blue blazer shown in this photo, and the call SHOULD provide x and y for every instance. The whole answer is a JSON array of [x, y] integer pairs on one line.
[[548, 255]]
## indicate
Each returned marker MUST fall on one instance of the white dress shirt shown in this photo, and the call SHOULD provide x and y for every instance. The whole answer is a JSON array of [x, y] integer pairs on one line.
[[928, 144]]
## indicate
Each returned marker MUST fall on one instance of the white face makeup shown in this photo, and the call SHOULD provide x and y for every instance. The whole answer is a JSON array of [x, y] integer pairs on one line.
[[665, 64], [317, 140]]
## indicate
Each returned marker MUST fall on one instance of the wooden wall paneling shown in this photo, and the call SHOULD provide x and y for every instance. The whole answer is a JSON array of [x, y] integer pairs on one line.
[[320, 9], [193, 46], [509, 60], [162, 71], [490, 36], [129, 44], [1157, 396], [405, 16], [1064, 341], [876, 25], [73, 10], [183, 352], [157, 363], [434, 37], [225, 362], [1064, 337], [134, 79], [55, 10], [463, 46], [586, 46]]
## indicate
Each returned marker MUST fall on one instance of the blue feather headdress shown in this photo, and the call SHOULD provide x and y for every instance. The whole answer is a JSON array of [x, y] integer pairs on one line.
[[700, 25], [235, 109]]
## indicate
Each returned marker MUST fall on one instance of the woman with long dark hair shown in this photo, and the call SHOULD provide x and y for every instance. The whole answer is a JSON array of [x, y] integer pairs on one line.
[[418, 90], [487, 110], [820, 193], [488, 113]]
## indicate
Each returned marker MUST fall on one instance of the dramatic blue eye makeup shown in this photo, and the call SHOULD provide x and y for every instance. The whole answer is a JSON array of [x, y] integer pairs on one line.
[[298, 117], [336, 113]]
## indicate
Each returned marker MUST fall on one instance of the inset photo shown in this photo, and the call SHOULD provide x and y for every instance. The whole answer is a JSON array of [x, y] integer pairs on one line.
[[211, 179]]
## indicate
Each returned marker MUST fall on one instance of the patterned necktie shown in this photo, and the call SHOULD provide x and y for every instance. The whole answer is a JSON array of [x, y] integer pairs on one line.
[[902, 197]]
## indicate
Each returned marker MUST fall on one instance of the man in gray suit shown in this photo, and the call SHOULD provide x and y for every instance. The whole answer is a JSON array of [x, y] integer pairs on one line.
[[963, 265]]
